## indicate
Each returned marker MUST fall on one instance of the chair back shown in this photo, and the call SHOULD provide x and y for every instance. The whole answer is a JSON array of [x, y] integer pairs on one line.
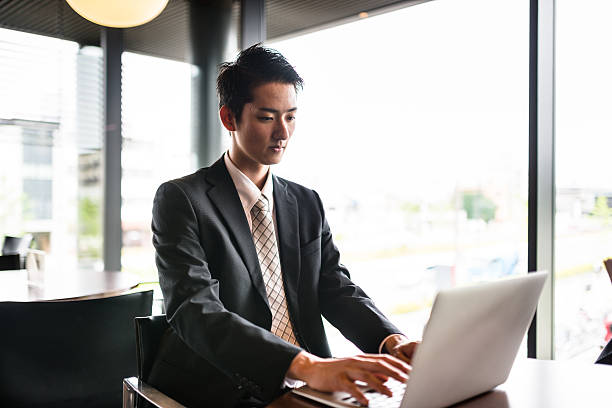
[[608, 264], [14, 251], [149, 332], [16, 245], [68, 353], [605, 357], [10, 262]]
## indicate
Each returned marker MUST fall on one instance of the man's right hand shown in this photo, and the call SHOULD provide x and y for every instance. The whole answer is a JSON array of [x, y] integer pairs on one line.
[[340, 374]]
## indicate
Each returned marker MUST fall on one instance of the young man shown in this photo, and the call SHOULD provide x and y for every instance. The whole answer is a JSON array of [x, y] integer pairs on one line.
[[247, 265]]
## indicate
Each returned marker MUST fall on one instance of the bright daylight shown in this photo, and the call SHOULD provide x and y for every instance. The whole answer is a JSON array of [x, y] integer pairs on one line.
[[413, 126]]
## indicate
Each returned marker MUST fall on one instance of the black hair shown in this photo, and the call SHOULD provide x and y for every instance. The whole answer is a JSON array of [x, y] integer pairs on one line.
[[257, 65]]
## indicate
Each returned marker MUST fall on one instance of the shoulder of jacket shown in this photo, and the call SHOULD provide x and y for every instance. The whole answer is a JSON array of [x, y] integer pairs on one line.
[[295, 188]]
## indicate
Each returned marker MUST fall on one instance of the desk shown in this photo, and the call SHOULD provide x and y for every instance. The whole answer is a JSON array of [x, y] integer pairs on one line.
[[532, 384], [14, 285]]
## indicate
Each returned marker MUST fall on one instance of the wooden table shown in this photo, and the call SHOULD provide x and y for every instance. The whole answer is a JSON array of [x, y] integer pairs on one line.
[[15, 286], [532, 384]]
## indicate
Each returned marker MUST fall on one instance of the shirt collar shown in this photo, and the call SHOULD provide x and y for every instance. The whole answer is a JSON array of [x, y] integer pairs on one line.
[[247, 190]]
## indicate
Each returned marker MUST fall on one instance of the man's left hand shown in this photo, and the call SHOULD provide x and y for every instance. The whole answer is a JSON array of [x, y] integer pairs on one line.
[[400, 347]]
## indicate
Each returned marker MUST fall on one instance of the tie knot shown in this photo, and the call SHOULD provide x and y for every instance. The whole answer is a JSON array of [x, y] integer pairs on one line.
[[261, 205]]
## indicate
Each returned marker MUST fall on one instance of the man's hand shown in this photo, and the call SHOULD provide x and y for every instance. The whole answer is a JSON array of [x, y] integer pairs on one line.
[[329, 374], [400, 347]]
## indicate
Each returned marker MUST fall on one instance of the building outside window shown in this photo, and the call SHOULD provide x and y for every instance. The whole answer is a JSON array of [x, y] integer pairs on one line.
[[44, 131]]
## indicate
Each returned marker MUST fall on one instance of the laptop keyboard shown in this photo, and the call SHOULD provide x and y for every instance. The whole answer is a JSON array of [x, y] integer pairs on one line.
[[378, 400]]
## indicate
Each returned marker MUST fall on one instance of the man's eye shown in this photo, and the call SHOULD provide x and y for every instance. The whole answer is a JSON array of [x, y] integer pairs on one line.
[[290, 118], [265, 118]]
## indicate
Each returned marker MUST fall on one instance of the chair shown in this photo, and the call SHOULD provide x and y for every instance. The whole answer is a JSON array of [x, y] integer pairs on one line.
[[606, 354], [10, 262], [136, 391], [608, 264], [13, 252], [605, 357], [68, 353], [16, 245]]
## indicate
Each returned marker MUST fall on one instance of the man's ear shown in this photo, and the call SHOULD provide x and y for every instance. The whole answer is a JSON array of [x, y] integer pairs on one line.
[[227, 118]]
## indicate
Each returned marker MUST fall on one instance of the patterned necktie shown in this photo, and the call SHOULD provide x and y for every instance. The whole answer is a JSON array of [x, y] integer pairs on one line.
[[267, 252]]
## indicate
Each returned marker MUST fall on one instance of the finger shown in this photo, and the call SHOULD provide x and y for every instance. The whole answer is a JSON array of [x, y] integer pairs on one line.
[[396, 362], [389, 359], [403, 356], [372, 381], [408, 349], [353, 389], [382, 377], [380, 366]]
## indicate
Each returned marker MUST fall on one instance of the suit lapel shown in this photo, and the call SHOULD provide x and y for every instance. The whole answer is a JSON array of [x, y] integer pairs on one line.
[[224, 196], [287, 223]]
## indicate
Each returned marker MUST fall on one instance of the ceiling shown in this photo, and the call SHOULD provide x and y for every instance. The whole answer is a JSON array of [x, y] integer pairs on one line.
[[286, 18], [168, 35]]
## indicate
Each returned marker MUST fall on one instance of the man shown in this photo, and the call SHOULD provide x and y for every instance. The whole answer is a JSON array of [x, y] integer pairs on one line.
[[247, 265]]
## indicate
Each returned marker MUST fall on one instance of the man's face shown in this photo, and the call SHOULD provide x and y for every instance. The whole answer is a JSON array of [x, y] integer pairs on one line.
[[265, 127]]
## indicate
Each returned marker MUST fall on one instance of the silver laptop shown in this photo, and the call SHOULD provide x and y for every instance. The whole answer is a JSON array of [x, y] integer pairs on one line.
[[469, 345]]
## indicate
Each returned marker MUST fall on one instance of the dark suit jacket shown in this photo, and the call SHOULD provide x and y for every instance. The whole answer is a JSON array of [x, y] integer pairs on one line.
[[215, 297]]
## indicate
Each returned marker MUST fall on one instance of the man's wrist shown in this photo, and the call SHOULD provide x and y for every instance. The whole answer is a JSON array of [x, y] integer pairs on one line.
[[301, 365], [392, 341]]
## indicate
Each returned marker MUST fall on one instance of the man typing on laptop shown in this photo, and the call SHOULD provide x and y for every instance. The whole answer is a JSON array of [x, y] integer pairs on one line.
[[247, 265]]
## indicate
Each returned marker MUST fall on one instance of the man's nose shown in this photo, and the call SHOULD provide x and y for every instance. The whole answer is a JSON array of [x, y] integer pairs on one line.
[[282, 130]]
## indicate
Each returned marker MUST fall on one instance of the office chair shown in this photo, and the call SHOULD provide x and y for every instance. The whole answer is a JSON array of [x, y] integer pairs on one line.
[[68, 353], [136, 391]]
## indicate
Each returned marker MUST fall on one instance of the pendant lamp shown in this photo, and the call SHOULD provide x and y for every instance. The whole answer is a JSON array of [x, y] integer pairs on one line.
[[118, 13]]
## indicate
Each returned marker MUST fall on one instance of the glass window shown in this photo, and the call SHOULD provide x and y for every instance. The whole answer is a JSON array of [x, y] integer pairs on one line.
[[156, 148], [50, 117], [37, 146], [583, 223], [413, 127], [38, 198]]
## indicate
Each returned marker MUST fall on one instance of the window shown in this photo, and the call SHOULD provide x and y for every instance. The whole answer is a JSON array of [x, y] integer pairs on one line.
[[46, 84], [37, 146], [413, 127], [156, 148], [583, 226], [38, 196]]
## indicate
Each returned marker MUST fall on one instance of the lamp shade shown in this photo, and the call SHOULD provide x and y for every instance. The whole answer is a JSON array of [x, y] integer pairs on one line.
[[118, 13]]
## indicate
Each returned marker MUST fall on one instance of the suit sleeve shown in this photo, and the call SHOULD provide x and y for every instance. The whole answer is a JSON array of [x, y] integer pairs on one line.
[[343, 303], [251, 356]]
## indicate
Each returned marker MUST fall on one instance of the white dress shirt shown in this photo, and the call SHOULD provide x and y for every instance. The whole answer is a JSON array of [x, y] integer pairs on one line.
[[249, 193]]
